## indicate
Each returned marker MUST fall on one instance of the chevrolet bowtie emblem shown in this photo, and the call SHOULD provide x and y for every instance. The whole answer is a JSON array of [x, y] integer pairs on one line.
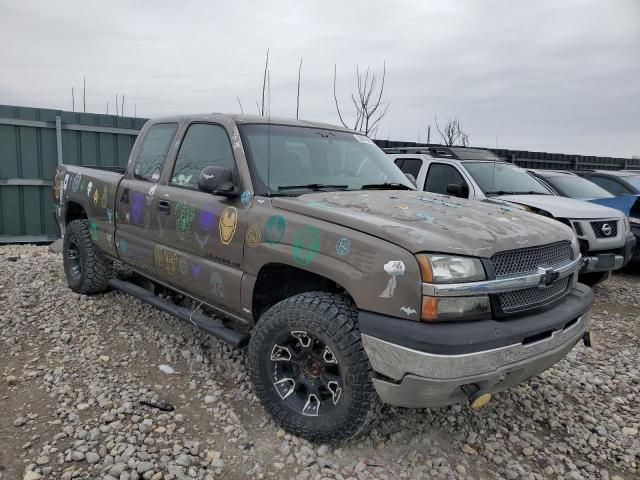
[[547, 276]]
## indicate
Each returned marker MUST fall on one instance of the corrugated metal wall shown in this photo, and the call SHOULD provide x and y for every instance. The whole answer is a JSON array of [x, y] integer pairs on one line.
[[32, 143]]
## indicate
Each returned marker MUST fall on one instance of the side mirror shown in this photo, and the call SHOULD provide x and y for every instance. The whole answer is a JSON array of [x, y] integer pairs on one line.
[[217, 181], [411, 178], [458, 190]]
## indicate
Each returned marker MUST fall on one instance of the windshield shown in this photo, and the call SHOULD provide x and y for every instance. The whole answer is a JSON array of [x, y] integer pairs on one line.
[[288, 158], [496, 178], [576, 187], [634, 180]]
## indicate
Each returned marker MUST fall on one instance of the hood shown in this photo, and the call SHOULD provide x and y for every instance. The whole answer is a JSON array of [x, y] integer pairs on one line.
[[419, 221], [563, 207], [629, 205]]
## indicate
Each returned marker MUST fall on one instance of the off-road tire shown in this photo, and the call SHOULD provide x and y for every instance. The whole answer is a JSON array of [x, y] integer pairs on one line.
[[332, 319], [594, 278], [95, 270]]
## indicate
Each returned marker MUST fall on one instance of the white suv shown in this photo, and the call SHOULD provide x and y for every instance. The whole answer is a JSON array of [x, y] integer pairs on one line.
[[606, 241]]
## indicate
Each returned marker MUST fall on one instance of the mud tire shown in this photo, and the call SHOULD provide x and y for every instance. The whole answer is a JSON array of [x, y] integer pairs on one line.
[[95, 270], [332, 319]]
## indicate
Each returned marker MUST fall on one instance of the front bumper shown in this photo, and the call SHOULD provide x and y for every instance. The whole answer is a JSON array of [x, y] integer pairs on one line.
[[490, 355], [604, 261]]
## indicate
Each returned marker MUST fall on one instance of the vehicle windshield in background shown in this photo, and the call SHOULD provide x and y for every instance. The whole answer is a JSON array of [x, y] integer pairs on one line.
[[634, 180], [576, 187], [496, 178], [287, 158]]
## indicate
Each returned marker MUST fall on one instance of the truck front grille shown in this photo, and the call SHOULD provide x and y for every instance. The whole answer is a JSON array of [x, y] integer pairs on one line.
[[519, 300], [527, 260], [605, 229]]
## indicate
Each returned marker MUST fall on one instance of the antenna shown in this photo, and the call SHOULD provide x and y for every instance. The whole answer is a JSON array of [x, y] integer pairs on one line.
[[268, 73]]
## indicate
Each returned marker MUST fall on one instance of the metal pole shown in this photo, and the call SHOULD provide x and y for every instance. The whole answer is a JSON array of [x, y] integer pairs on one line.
[[59, 138]]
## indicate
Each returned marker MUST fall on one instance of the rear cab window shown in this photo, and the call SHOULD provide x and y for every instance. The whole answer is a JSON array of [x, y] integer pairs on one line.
[[411, 166], [153, 151]]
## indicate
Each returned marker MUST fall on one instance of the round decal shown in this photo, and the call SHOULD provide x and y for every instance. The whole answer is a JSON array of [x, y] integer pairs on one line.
[[253, 237], [306, 244], [274, 229], [343, 246]]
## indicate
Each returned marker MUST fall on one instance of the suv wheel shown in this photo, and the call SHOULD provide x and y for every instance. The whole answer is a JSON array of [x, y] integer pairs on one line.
[[87, 271], [309, 368]]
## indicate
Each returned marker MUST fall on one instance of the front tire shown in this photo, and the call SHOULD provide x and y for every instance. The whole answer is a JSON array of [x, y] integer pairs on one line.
[[87, 271], [309, 368]]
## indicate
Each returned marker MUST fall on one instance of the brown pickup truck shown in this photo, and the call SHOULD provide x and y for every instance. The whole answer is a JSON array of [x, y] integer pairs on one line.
[[354, 288]]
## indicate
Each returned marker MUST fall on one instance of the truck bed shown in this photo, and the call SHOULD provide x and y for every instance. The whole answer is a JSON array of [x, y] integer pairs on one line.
[[92, 189]]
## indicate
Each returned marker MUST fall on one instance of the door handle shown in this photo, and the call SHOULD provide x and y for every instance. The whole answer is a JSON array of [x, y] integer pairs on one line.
[[164, 207]]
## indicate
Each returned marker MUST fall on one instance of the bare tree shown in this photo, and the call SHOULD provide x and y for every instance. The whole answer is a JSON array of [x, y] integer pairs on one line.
[[452, 134], [369, 106], [298, 96]]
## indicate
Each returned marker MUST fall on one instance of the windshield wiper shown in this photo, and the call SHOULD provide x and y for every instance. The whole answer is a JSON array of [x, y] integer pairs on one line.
[[316, 187], [386, 186], [531, 192], [503, 192]]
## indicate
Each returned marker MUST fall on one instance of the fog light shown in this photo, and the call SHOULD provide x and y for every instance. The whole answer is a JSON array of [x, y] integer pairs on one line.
[[480, 400], [455, 308]]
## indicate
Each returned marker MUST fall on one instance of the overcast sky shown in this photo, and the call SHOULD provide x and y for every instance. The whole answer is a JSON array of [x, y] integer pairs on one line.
[[556, 76]]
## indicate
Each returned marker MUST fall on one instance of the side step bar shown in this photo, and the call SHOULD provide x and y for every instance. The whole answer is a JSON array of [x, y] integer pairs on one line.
[[211, 325]]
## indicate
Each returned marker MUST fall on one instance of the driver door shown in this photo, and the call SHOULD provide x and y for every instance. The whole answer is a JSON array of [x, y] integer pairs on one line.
[[200, 246]]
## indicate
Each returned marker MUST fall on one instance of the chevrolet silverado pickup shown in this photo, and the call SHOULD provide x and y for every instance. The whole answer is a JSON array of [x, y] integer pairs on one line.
[[350, 287]]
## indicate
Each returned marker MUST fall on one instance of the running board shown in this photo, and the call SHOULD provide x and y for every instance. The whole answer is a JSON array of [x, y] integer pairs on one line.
[[211, 325]]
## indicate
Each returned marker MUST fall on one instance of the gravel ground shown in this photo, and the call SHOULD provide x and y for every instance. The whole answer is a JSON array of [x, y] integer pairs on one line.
[[74, 369]]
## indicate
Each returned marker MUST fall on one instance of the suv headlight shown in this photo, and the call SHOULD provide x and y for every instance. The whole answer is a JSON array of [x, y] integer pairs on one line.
[[437, 268]]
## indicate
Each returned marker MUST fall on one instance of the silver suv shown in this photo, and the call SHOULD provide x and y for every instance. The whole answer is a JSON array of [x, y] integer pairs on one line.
[[606, 241]]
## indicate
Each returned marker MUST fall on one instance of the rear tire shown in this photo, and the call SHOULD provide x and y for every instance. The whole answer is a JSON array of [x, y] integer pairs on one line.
[[309, 368], [86, 269]]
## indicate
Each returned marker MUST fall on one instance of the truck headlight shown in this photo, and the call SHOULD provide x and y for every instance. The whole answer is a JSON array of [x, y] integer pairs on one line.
[[437, 268]]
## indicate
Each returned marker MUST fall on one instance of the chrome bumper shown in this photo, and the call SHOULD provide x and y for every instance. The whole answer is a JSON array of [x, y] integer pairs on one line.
[[602, 263], [420, 379]]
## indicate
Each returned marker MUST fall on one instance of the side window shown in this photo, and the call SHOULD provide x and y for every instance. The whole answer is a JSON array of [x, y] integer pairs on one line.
[[204, 145], [439, 176], [153, 152], [610, 186], [412, 166]]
